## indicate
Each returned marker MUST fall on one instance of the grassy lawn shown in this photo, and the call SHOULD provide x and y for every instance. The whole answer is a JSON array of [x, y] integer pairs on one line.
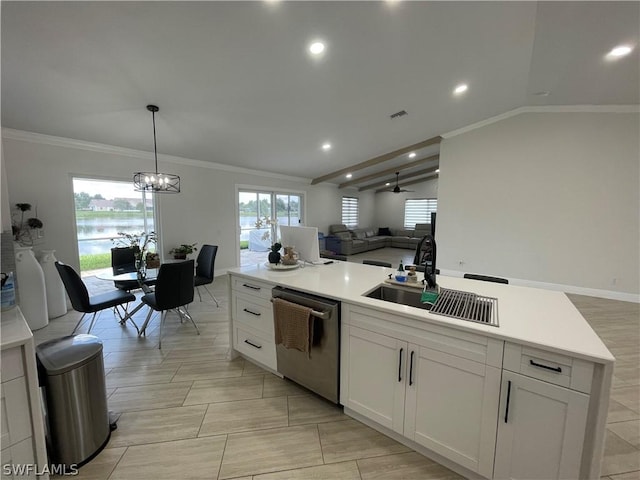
[[95, 261]]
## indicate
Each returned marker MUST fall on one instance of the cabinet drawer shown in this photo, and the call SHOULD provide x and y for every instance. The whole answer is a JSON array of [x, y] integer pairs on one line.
[[255, 346], [16, 420], [12, 365], [251, 287], [253, 312], [550, 367]]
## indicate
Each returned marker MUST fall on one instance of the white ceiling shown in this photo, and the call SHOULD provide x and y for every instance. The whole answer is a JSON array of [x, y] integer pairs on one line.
[[235, 84]]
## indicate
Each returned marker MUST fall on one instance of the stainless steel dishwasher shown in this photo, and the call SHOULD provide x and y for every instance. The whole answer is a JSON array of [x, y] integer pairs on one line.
[[320, 370]]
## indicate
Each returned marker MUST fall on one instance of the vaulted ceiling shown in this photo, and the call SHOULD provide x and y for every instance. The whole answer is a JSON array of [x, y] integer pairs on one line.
[[236, 84]]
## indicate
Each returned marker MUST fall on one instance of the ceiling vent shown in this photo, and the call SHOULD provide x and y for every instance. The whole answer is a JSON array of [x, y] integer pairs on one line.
[[399, 114]]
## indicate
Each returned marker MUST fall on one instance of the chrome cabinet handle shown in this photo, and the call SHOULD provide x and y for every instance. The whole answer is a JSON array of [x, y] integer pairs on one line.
[[250, 286], [253, 344], [400, 366], [546, 367], [252, 313]]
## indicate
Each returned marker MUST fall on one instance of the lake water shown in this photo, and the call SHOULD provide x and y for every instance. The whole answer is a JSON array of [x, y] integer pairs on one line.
[[95, 234]]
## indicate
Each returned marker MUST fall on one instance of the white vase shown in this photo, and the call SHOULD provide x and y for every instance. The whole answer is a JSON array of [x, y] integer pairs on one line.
[[56, 297], [31, 289]]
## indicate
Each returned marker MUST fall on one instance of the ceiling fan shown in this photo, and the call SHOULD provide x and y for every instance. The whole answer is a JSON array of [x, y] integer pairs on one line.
[[397, 188]]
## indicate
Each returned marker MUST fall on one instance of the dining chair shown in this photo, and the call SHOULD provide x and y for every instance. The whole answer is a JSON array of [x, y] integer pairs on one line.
[[83, 302], [174, 291], [123, 260], [377, 263], [485, 278], [205, 266]]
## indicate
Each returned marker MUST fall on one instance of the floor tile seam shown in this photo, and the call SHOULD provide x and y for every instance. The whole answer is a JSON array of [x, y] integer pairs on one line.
[[224, 450], [197, 362], [319, 422], [623, 440], [387, 454], [206, 410], [126, 448], [257, 430], [146, 384]]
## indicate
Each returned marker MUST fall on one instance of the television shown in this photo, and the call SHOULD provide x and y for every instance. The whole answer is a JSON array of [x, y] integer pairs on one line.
[[304, 240]]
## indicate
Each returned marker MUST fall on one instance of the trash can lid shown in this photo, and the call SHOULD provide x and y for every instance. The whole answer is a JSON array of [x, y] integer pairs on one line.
[[66, 353]]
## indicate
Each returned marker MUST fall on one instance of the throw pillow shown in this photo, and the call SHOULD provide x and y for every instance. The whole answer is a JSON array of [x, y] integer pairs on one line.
[[359, 235], [384, 231]]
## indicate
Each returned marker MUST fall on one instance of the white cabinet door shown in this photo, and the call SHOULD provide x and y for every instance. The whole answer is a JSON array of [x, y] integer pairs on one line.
[[540, 430], [375, 385], [451, 407]]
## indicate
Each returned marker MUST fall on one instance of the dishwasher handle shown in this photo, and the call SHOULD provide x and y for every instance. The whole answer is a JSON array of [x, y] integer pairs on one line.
[[323, 315]]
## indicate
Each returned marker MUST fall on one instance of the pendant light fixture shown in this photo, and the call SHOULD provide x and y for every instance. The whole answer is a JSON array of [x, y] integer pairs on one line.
[[154, 181]]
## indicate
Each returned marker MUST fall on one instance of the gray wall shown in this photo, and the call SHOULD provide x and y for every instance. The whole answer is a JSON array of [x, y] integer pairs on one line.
[[546, 197]]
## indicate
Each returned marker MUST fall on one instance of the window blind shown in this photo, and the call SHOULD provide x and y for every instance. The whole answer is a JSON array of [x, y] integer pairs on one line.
[[350, 211], [419, 211]]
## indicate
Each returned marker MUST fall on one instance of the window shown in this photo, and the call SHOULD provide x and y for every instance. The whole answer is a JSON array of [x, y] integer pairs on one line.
[[419, 211], [102, 209], [350, 211]]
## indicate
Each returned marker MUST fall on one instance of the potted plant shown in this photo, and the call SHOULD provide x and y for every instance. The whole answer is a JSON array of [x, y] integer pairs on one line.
[[181, 252], [274, 254], [25, 231]]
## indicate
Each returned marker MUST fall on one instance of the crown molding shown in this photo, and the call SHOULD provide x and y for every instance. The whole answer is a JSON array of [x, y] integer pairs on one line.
[[545, 109], [31, 137]]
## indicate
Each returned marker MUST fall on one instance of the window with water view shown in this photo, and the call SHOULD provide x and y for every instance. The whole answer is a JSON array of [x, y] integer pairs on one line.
[[103, 208]]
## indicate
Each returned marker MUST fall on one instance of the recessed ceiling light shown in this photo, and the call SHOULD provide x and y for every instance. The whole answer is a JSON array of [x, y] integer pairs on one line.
[[326, 146], [412, 155], [619, 51], [387, 184], [348, 175], [463, 87], [316, 48], [437, 170]]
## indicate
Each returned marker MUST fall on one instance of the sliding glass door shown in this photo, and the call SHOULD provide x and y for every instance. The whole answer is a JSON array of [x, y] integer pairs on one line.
[[260, 214]]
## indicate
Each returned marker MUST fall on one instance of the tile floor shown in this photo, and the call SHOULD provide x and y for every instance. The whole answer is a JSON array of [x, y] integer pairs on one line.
[[186, 412]]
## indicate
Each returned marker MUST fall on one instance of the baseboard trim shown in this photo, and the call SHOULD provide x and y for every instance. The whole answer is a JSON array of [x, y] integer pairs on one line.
[[590, 292]]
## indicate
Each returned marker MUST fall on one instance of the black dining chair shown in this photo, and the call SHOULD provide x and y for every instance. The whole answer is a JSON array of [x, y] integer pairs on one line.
[[83, 302], [377, 263], [123, 260], [485, 278], [205, 266], [174, 291]]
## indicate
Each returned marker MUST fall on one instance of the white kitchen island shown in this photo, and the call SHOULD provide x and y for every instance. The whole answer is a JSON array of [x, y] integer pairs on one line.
[[526, 399]]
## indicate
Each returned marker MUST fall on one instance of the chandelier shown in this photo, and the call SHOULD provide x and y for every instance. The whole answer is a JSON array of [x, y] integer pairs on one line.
[[154, 181]]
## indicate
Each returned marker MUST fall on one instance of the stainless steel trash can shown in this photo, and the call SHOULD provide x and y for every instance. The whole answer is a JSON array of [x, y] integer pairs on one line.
[[71, 370]]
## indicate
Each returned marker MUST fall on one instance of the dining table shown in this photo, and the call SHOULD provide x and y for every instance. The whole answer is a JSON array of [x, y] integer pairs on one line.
[[150, 274]]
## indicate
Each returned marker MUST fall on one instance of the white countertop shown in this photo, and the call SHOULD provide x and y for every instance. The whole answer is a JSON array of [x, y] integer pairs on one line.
[[528, 316], [14, 330]]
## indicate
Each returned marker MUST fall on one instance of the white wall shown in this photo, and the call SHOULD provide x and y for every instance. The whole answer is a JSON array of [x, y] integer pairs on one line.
[[204, 211], [546, 197]]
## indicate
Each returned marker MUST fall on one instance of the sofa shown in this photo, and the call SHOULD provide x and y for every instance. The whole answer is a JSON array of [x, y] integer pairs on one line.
[[343, 241]]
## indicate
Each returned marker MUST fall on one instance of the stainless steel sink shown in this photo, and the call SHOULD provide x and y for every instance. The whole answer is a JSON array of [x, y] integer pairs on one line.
[[398, 295], [451, 303]]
